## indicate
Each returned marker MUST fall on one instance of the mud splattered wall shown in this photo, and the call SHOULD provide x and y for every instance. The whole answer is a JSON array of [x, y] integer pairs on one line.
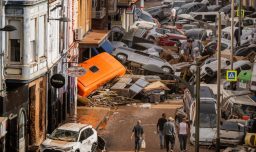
[[37, 111]]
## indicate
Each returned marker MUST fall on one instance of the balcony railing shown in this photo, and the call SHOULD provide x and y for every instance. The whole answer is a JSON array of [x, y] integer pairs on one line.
[[99, 14]]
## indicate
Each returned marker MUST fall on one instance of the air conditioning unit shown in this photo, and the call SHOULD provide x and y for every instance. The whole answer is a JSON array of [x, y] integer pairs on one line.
[[79, 34]]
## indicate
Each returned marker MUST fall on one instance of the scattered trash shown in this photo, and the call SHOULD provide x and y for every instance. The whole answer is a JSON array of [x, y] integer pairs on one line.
[[146, 106]]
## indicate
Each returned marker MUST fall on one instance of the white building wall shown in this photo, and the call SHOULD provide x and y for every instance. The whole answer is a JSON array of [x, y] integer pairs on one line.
[[2, 46], [40, 42]]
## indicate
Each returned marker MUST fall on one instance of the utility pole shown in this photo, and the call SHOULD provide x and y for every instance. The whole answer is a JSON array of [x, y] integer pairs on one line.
[[239, 23], [197, 106], [218, 84], [232, 34], [142, 4]]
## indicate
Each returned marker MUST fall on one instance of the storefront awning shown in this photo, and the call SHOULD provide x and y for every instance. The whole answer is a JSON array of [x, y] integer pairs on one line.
[[93, 39]]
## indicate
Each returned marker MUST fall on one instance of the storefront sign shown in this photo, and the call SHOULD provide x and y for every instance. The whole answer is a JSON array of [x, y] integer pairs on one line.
[[57, 81], [76, 71]]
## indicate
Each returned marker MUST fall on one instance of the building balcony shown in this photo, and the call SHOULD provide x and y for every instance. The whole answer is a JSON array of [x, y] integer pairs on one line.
[[28, 72], [99, 14]]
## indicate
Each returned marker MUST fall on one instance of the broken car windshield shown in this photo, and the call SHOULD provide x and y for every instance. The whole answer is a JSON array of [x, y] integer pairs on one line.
[[65, 135]]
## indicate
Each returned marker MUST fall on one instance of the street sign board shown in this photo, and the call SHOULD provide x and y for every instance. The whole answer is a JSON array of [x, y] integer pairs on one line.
[[75, 71], [238, 13], [57, 80], [231, 75]]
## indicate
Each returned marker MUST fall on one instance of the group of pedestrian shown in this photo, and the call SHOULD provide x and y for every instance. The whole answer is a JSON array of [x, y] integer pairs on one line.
[[166, 130]]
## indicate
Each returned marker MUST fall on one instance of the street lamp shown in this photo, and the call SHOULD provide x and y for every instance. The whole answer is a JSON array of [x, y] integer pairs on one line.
[[62, 19], [8, 28]]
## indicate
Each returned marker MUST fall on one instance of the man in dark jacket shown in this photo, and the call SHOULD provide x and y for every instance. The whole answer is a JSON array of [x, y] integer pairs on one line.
[[137, 132], [160, 128], [169, 134]]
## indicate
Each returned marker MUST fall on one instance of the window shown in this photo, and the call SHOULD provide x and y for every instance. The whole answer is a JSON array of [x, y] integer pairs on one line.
[[94, 69], [41, 36], [15, 45], [246, 67], [33, 29], [85, 134]]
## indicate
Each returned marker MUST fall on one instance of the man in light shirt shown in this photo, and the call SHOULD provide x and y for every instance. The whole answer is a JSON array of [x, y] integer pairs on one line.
[[173, 16], [183, 130]]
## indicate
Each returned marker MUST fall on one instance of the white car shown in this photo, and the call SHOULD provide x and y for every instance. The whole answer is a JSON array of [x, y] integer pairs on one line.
[[71, 137], [245, 37], [208, 115], [143, 25]]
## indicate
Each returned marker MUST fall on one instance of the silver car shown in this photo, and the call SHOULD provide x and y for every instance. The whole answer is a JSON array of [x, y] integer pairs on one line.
[[127, 54]]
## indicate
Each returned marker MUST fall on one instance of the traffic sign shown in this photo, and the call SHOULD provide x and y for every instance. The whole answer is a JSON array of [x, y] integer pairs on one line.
[[231, 75], [75, 71], [242, 13]]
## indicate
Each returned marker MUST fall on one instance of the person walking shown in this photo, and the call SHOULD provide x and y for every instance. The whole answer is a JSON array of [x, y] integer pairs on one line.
[[138, 133], [169, 134], [183, 130], [173, 16], [160, 128]]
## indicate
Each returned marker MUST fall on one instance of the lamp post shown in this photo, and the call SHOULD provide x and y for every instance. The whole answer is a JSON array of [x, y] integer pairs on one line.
[[61, 19], [218, 84], [8, 28]]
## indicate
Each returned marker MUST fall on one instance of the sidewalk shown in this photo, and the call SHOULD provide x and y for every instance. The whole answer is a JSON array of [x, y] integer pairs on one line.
[[95, 116]]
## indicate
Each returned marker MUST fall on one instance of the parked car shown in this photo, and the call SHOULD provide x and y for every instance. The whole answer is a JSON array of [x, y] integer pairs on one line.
[[214, 8], [141, 15], [143, 25], [125, 55], [71, 137], [232, 132], [253, 79], [197, 34], [171, 39], [209, 68], [192, 7], [178, 3], [227, 10], [245, 37], [156, 12], [240, 66], [211, 47], [117, 44], [246, 50], [236, 106], [145, 46], [207, 122], [186, 27], [189, 97], [99, 70], [155, 33], [208, 16]]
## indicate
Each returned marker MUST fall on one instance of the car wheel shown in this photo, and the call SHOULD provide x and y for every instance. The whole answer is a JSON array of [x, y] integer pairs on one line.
[[77, 150], [151, 38], [209, 71], [167, 69], [94, 147], [122, 58]]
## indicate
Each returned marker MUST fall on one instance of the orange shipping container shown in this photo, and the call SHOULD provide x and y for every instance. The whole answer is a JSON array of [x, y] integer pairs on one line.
[[99, 70]]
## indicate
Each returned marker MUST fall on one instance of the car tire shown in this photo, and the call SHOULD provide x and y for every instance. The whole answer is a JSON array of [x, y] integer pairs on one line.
[[94, 147], [77, 150], [151, 38], [122, 58], [167, 69], [209, 71]]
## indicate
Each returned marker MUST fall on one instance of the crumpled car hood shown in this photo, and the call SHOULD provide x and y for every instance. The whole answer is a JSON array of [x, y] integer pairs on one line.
[[58, 143]]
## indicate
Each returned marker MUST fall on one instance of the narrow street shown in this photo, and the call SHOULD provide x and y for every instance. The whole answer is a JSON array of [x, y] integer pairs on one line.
[[119, 127]]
